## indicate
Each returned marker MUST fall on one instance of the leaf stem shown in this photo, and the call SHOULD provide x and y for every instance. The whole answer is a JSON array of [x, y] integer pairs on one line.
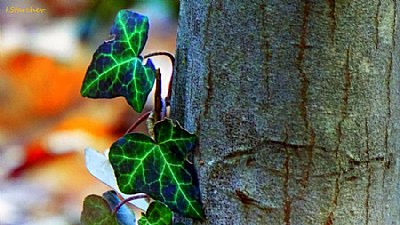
[[172, 58], [169, 55], [157, 97], [134, 197], [138, 121]]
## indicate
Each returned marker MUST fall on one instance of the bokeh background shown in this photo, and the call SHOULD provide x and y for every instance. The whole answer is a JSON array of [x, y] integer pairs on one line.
[[45, 124]]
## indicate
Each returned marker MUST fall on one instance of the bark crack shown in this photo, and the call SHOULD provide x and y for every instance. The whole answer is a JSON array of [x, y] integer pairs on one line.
[[300, 64], [209, 86], [346, 87], [388, 91], [298, 146], [389, 113], [249, 201], [339, 131], [238, 154], [331, 214], [332, 20], [303, 92], [369, 174], [394, 23], [287, 200], [329, 220], [377, 24], [310, 152], [267, 53]]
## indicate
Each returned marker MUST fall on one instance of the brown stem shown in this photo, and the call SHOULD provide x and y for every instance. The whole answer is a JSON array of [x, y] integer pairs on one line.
[[134, 197], [172, 58], [138, 121], [157, 97]]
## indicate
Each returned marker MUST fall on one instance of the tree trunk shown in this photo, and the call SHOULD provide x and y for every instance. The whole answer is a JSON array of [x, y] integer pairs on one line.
[[297, 108]]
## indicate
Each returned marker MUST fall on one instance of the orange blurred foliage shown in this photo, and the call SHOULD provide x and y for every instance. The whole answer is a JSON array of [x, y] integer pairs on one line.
[[47, 86], [89, 124]]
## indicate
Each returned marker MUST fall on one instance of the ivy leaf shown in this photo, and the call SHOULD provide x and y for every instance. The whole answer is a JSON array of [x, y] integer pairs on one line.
[[96, 211], [124, 215], [116, 68], [100, 167], [156, 214], [159, 167]]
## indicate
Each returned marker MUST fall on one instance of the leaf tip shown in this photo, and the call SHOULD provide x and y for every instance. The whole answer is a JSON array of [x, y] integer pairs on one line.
[[149, 64]]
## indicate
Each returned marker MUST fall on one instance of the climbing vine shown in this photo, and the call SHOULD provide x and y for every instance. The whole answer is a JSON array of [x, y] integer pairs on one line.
[[151, 168]]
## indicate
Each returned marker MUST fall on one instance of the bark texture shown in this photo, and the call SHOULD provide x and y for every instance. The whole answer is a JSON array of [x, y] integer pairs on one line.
[[297, 108]]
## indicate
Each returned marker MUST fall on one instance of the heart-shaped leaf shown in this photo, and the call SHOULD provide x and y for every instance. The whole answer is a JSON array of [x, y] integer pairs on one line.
[[96, 211], [116, 68], [100, 167], [156, 214], [159, 167]]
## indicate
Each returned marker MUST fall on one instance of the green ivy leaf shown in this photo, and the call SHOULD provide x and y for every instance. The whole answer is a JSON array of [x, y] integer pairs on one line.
[[159, 167], [116, 68], [100, 167], [96, 211], [156, 214]]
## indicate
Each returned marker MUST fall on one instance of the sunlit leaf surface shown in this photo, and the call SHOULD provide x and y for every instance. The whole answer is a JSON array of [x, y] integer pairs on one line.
[[116, 68], [159, 167]]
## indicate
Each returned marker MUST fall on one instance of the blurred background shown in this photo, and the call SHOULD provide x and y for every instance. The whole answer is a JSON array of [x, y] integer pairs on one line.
[[45, 124]]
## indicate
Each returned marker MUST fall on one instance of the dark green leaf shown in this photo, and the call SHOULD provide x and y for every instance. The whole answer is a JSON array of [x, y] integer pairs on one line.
[[96, 211], [125, 216], [159, 167], [156, 214], [116, 68]]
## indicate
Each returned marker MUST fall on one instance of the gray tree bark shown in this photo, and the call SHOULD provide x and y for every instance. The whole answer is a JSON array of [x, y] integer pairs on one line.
[[296, 104]]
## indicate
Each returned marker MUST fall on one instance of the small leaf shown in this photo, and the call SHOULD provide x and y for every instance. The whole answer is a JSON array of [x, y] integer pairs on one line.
[[159, 167], [96, 211], [99, 166], [156, 214], [125, 216], [116, 68]]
